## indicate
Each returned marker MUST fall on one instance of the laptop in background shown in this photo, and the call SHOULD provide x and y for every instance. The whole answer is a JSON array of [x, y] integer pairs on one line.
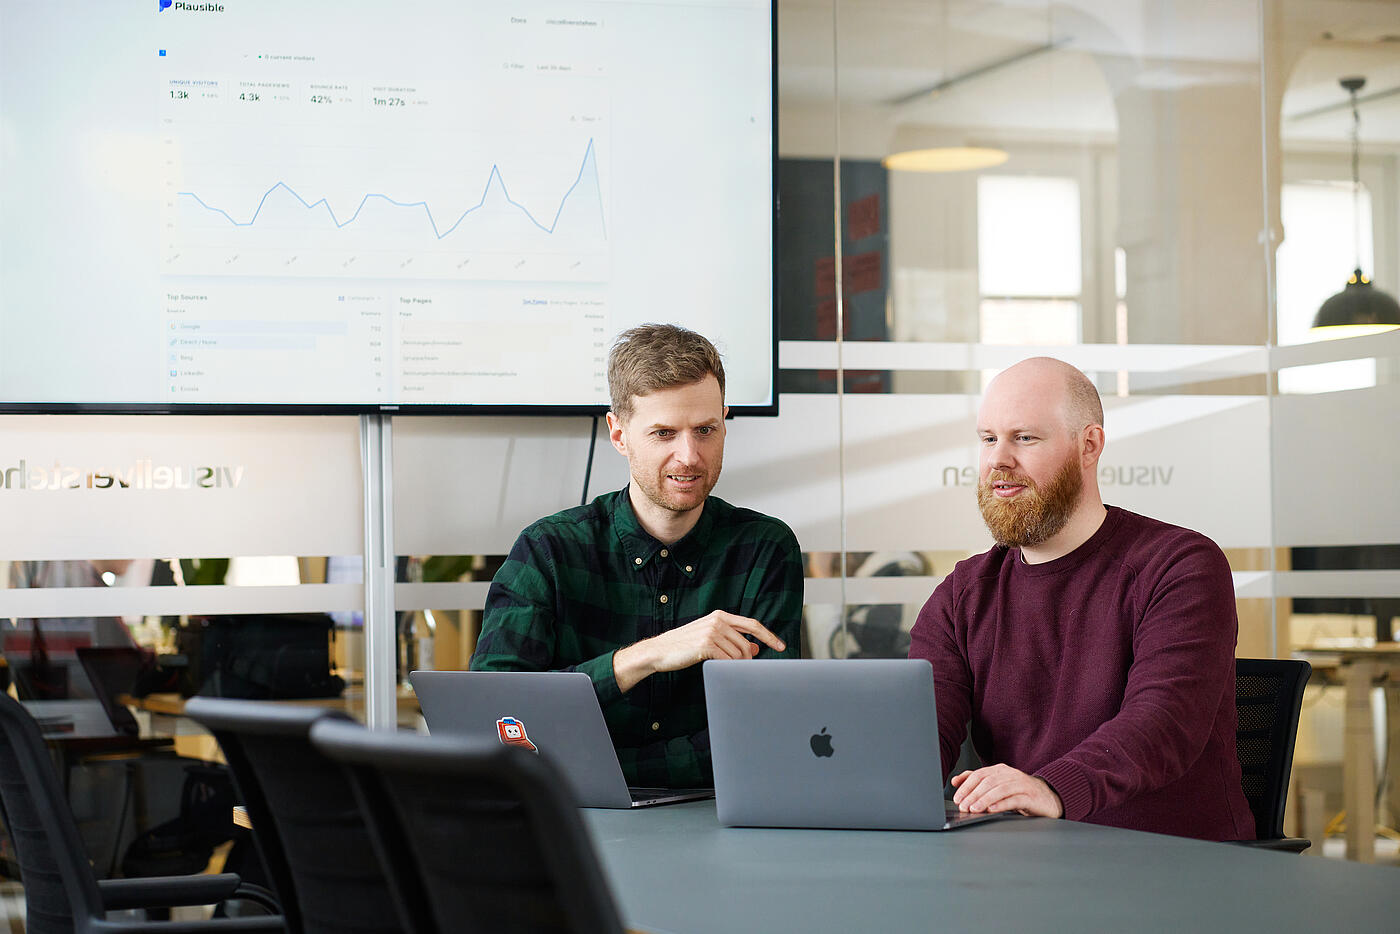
[[553, 713], [828, 744], [113, 671]]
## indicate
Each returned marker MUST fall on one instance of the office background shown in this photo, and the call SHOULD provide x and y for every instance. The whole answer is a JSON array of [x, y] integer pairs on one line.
[[1174, 205]]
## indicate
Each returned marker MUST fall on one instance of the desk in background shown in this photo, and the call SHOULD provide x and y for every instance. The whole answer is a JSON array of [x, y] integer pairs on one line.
[[351, 700], [674, 869], [1359, 668], [77, 719], [77, 730], [200, 744]]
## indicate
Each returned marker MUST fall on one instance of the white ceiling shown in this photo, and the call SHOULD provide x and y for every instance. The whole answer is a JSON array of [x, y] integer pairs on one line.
[[869, 53]]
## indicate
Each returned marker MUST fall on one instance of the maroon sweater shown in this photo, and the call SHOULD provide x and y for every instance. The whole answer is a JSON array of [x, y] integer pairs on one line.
[[1109, 673]]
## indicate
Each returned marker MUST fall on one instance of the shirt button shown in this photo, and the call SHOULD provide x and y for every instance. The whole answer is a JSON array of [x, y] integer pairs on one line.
[[656, 726], [665, 553], [688, 569], [637, 561], [664, 598]]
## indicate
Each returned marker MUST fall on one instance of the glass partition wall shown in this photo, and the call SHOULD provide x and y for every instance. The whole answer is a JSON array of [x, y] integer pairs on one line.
[[210, 553], [1160, 193], [1333, 188]]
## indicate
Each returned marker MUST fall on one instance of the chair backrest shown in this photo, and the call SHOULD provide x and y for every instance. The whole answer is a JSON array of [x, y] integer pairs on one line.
[[1268, 696], [59, 885], [487, 836], [306, 822]]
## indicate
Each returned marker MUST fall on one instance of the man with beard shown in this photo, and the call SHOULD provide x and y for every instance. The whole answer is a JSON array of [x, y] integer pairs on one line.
[[640, 586], [1091, 650]]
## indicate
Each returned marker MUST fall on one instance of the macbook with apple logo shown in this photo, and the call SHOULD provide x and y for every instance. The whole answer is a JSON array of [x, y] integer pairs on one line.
[[828, 744]]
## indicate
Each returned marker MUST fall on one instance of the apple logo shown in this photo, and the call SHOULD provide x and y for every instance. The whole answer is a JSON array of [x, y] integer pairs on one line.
[[821, 744]]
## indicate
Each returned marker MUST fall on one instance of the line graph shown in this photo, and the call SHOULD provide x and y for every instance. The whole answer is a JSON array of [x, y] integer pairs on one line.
[[587, 167], [306, 211]]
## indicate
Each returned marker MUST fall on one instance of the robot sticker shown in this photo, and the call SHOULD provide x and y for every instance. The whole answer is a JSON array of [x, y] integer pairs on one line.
[[512, 733]]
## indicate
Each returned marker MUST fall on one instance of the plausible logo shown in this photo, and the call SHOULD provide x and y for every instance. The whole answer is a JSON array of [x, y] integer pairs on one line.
[[512, 733], [181, 7]]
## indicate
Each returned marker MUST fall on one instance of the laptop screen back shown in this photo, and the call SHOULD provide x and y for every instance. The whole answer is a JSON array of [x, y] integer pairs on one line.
[[553, 713], [113, 671], [816, 743]]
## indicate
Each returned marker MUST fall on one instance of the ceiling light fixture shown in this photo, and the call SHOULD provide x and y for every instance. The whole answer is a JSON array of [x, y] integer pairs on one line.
[[930, 149], [944, 159], [1359, 308]]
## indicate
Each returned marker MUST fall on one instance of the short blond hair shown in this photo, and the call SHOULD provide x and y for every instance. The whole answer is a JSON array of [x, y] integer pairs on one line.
[[1082, 402], [658, 356]]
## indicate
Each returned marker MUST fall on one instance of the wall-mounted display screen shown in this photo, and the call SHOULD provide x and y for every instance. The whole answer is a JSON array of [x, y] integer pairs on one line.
[[253, 205]]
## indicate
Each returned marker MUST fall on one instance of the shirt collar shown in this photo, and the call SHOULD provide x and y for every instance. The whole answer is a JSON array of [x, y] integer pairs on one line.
[[641, 548]]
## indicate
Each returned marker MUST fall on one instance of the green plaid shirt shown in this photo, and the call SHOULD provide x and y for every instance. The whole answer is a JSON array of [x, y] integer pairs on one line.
[[583, 583]]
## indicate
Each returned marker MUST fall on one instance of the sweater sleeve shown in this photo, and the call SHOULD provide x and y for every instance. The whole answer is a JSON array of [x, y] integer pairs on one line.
[[934, 638], [1183, 663]]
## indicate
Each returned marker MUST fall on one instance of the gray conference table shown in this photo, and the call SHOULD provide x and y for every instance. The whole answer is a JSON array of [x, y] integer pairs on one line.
[[675, 870]]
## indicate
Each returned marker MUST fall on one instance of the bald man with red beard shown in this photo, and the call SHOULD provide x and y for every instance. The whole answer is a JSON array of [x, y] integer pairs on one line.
[[1091, 651]]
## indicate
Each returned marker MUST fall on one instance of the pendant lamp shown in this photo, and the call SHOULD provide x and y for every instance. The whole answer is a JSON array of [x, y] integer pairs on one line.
[[1360, 307]]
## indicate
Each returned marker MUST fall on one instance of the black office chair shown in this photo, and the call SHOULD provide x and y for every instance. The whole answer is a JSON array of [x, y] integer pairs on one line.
[[479, 837], [306, 822], [1268, 696], [61, 892]]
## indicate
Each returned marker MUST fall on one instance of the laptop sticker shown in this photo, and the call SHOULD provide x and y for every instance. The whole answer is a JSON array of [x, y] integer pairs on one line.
[[512, 733]]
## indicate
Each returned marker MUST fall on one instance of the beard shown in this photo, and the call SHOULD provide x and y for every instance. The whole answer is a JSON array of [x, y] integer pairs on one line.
[[1034, 516], [653, 489]]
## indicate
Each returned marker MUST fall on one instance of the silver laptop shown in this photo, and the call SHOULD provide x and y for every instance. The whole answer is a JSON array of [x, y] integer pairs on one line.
[[836, 744], [552, 713]]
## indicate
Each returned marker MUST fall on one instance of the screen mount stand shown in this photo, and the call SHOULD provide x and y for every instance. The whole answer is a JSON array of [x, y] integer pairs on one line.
[[377, 465]]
